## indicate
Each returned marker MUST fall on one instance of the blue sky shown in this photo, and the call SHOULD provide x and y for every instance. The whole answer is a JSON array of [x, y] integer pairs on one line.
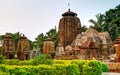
[[33, 17]]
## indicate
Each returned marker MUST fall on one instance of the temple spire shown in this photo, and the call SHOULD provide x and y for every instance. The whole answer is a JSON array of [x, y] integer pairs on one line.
[[68, 5]]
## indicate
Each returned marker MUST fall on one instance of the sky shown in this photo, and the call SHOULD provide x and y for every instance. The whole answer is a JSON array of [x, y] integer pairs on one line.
[[32, 17]]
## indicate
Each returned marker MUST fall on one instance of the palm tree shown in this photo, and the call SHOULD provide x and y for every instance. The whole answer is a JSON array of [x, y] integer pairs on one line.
[[98, 24], [52, 33]]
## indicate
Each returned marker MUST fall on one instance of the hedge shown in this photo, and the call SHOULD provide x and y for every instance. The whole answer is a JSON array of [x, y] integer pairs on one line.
[[56, 69], [59, 67]]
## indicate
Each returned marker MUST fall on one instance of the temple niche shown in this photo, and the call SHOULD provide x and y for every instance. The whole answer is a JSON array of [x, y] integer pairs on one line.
[[117, 47], [23, 48], [8, 47], [69, 28]]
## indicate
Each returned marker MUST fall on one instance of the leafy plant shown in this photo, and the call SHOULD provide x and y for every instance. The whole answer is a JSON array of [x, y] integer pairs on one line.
[[1, 58], [42, 59], [105, 67]]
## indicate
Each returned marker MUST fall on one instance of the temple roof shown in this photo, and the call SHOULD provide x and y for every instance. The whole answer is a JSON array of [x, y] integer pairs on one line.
[[8, 35], [91, 32], [69, 13]]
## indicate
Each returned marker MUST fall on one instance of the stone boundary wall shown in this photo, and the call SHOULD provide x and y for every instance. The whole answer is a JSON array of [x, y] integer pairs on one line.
[[114, 67]]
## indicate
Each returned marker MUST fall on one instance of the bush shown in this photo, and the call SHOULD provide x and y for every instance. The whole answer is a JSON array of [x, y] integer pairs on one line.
[[1, 58], [105, 67], [92, 67], [42, 59], [59, 67]]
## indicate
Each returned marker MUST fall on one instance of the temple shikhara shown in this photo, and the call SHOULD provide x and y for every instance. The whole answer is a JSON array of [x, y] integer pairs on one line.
[[69, 28], [8, 48], [23, 48]]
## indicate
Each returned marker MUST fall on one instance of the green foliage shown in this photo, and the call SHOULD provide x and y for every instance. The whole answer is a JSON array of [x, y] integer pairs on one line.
[[98, 24], [0, 50], [59, 67], [105, 67], [16, 62], [42, 59], [1, 58], [52, 33], [38, 43], [92, 68], [84, 28], [110, 22]]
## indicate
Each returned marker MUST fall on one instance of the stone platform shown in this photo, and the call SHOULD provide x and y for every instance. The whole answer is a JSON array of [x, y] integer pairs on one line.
[[106, 73]]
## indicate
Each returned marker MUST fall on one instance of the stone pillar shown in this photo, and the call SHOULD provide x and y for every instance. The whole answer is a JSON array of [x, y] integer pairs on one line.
[[117, 48]]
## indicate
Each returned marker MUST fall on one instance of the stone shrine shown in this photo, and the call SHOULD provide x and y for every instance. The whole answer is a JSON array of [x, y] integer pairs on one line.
[[48, 46], [8, 47], [117, 47], [23, 48], [69, 28]]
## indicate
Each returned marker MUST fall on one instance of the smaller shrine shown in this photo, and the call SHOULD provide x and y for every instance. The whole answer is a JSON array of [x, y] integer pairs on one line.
[[8, 47], [117, 47], [48, 47], [23, 48]]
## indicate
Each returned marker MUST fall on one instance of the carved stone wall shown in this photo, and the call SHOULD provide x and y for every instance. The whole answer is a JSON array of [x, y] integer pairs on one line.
[[23, 48], [8, 47], [69, 28]]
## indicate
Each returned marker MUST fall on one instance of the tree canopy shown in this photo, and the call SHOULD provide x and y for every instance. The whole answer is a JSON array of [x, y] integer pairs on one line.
[[110, 22]]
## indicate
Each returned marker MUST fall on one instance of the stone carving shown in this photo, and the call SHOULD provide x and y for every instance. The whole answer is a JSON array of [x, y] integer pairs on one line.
[[8, 47], [69, 28], [23, 48]]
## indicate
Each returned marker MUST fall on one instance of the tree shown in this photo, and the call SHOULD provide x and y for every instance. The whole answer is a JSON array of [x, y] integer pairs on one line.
[[98, 24], [52, 33], [112, 22], [84, 28], [38, 43]]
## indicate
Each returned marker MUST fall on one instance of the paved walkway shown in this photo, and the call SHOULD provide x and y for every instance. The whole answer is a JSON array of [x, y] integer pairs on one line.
[[111, 74]]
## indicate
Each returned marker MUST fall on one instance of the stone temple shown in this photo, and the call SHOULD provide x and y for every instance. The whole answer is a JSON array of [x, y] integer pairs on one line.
[[69, 28], [8, 48]]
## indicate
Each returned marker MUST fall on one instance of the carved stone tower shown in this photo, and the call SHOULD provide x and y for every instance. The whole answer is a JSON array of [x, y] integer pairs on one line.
[[23, 48], [48, 46], [8, 47], [69, 28]]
